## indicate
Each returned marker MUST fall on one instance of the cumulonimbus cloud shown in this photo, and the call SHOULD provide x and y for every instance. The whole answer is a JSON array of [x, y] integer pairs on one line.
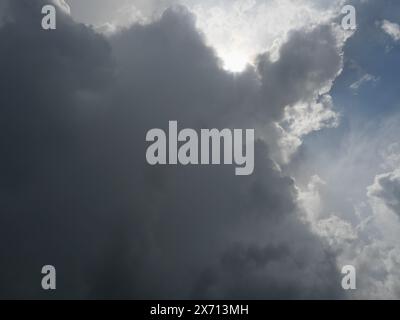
[[76, 190]]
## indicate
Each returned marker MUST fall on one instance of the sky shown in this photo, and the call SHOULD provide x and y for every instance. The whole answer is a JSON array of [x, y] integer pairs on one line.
[[76, 191]]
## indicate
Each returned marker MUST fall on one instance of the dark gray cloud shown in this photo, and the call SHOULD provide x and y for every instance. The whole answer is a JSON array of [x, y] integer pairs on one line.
[[77, 193], [308, 63]]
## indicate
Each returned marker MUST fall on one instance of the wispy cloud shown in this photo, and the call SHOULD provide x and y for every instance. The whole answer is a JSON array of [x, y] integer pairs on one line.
[[363, 80], [392, 29]]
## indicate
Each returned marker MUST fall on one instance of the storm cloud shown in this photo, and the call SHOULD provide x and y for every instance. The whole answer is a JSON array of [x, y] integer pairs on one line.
[[76, 191]]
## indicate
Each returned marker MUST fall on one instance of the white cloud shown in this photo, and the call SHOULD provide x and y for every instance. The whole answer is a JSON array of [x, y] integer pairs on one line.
[[364, 79], [241, 29], [336, 231], [370, 243], [354, 209], [305, 118], [387, 188], [301, 120], [62, 5], [392, 29]]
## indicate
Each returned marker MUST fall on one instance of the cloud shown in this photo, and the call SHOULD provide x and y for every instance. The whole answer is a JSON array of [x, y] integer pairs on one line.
[[392, 29], [62, 5], [295, 87], [76, 191], [381, 257], [387, 187], [309, 62], [334, 169], [352, 205], [364, 79], [238, 30]]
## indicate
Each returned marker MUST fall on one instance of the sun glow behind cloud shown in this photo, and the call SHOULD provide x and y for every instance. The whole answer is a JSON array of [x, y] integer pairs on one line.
[[235, 61], [239, 30]]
